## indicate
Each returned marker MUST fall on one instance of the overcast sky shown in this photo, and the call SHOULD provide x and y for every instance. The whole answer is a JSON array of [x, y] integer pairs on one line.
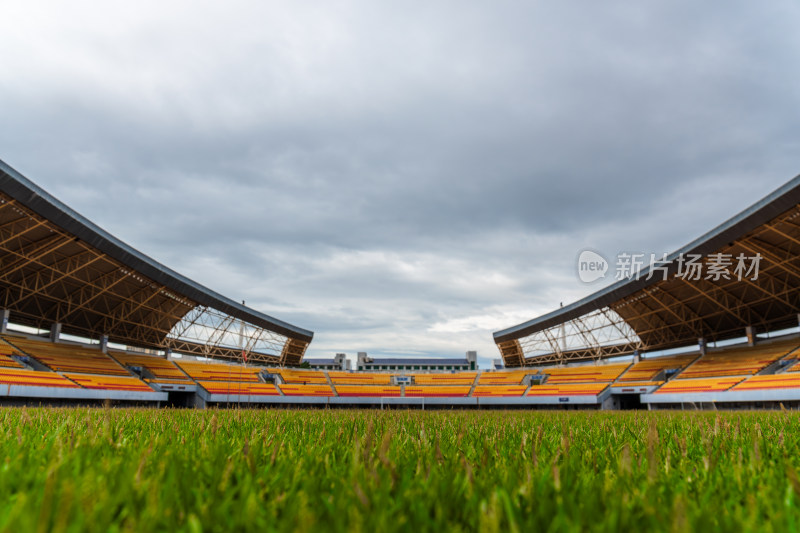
[[401, 177]]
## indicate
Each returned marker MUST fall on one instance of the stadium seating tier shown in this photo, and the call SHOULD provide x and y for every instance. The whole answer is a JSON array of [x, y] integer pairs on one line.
[[584, 374], [440, 391], [772, 381], [89, 381], [582, 389], [300, 376], [366, 390], [355, 378], [647, 369], [739, 360], [459, 378], [69, 357], [32, 378], [207, 371], [483, 391], [306, 390], [698, 385], [239, 388], [159, 367]]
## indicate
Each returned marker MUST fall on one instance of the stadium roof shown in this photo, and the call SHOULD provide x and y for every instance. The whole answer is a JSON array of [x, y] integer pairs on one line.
[[652, 314], [58, 267]]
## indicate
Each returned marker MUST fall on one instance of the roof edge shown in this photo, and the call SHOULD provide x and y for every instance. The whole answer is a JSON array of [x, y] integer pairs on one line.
[[45, 205], [779, 201]]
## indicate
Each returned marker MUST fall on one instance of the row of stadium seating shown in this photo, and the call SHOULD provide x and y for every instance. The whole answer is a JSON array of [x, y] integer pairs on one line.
[[717, 371], [307, 390], [68, 357], [773, 381], [584, 374], [239, 388], [89, 381], [437, 391], [512, 377], [482, 391], [32, 378], [357, 378], [570, 389], [6, 361], [368, 390], [300, 376], [699, 385], [647, 369], [459, 378], [739, 361], [160, 368], [219, 372]]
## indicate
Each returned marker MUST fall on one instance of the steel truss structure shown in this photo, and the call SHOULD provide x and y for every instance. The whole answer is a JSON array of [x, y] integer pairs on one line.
[[207, 332], [57, 267], [671, 309]]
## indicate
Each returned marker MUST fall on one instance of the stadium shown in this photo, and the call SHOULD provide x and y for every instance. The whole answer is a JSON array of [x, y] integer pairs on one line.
[[114, 326], [89, 319], [399, 267], [134, 398]]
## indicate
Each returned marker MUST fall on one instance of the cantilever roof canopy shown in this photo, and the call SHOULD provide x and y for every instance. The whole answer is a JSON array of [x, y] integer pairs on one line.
[[58, 267], [657, 313]]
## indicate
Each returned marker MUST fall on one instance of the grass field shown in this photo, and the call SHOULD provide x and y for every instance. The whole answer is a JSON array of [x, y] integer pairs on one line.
[[148, 470]]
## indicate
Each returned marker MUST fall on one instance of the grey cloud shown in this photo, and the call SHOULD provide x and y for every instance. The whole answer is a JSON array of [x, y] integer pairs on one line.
[[389, 173]]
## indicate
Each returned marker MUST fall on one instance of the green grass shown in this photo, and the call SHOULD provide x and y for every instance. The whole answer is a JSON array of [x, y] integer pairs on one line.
[[148, 470]]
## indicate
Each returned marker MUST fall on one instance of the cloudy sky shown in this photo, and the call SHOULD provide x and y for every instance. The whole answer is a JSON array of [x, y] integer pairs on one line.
[[401, 177]]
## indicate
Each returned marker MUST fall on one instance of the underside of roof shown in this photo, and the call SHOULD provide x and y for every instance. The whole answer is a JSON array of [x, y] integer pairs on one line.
[[57, 267], [657, 313]]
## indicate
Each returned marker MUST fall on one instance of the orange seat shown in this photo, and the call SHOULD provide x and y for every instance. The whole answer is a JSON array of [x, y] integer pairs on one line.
[[159, 367], [482, 391], [239, 388], [698, 385], [306, 390], [207, 371], [33, 378], [440, 391], [89, 381]]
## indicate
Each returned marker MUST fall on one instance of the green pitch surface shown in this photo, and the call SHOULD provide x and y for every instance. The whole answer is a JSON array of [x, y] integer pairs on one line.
[[143, 470]]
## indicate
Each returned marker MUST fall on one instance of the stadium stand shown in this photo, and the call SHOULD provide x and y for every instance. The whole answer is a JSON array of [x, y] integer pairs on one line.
[[68, 357], [366, 390], [459, 378], [773, 381], [739, 360], [482, 391], [584, 374], [239, 388], [89, 381], [504, 377], [631, 384], [647, 369], [219, 372], [160, 368], [306, 390], [6, 351], [357, 378], [300, 376], [699, 385], [572, 389], [440, 391], [32, 378]]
